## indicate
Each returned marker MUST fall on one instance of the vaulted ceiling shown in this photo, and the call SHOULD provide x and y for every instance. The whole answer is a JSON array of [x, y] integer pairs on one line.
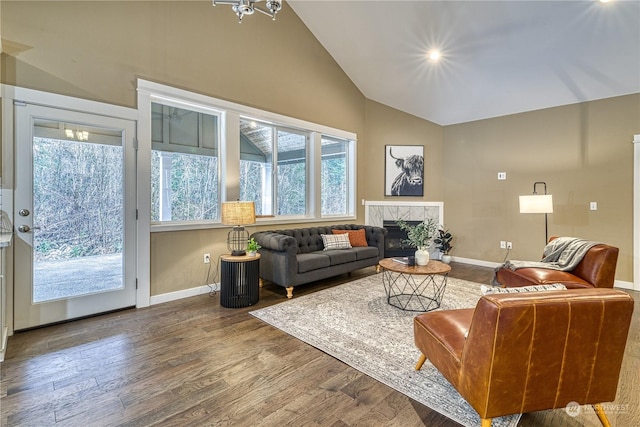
[[497, 57]]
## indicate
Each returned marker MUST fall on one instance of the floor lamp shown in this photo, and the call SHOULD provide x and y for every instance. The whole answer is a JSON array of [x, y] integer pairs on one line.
[[538, 203], [238, 214]]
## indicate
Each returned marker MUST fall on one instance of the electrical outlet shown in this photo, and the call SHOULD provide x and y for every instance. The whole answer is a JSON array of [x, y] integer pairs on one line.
[[502, 176], [509, 245], [207, 258], [503, 244]]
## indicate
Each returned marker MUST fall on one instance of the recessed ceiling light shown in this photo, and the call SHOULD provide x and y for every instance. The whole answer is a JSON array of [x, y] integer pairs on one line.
[[433, 56]]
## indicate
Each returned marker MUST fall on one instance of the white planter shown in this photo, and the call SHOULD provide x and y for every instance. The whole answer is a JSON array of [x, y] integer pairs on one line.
[[251, 253], [422, 256], [446, 258]]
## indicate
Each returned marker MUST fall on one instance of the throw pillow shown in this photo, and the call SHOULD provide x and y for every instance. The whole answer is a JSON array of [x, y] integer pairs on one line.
[[536, 288], [356, 237], [335, 241]]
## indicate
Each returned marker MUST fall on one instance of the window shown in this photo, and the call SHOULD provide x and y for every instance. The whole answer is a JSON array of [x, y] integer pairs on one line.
[[198, 151], [184, 164], [263, 149]]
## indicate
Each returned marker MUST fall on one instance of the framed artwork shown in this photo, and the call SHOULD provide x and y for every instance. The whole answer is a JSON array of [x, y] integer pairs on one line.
[[404, 170]]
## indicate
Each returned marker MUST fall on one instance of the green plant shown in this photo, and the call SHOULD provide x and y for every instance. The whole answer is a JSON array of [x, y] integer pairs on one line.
[[443, 240], [252, 245], [420, 235]]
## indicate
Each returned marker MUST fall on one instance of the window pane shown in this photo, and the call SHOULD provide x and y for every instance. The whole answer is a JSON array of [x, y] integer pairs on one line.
[[256, 159], [184, 187], [292, 173], [334, 177]]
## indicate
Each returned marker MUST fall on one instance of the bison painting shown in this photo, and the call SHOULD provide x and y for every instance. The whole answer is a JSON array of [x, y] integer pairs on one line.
[[409, 171]]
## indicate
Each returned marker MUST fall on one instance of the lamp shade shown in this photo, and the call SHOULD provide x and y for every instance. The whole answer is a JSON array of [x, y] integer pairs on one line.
[[238, 213], [536, 203]]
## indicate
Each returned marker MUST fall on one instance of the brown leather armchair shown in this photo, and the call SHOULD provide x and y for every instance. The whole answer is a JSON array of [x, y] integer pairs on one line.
[[596, 270], [524, 352]]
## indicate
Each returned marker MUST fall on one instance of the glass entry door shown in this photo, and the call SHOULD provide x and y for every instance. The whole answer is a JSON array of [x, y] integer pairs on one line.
[[74, 215]]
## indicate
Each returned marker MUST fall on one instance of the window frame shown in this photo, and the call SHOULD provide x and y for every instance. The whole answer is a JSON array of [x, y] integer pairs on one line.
[[229, 154]]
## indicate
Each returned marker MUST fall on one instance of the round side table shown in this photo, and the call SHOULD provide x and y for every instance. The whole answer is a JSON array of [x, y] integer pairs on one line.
[[239, 280]]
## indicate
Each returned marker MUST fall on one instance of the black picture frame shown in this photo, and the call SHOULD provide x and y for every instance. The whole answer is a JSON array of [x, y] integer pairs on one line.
[[404, 170]]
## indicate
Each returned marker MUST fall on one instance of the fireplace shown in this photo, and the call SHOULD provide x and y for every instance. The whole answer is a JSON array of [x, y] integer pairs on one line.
[[385, 213], [393, 245]]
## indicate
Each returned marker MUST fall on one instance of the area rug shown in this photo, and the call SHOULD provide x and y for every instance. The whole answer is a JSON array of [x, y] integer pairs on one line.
[[353, 323]]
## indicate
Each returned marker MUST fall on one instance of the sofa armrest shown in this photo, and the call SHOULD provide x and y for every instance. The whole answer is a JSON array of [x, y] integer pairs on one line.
[[278, 262], [276, 241]]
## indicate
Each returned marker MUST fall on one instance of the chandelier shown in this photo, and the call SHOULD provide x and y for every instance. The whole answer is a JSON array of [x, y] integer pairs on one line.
[[247, 7]]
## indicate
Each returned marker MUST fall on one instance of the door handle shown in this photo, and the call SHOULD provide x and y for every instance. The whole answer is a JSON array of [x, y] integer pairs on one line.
[[26, 228]]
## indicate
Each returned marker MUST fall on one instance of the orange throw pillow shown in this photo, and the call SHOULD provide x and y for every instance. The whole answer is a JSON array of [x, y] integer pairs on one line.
[[356, 237]]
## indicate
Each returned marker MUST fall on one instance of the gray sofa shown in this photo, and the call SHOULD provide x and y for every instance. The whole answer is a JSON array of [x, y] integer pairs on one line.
[[293, 257]]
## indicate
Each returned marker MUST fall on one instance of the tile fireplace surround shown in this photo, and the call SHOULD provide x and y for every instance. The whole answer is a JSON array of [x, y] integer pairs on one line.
[[376, 212]]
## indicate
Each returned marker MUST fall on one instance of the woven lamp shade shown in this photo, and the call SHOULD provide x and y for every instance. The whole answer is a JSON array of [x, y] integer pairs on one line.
[[238, 213]]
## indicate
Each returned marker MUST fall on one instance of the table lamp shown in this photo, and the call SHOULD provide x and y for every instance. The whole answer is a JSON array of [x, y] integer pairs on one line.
[[538, 203], [238, 214]]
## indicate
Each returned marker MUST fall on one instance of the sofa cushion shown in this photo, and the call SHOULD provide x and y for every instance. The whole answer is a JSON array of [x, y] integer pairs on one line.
[[340, 256], [312, 261], [356, 237], [540, 276], [365, 253], [335, 241]]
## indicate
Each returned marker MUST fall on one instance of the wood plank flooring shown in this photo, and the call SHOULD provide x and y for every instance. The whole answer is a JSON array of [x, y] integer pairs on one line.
[[193, 362]]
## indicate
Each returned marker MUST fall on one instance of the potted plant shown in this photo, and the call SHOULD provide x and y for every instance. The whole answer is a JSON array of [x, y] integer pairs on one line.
[[252, 247], [443, 242], [420, 236]]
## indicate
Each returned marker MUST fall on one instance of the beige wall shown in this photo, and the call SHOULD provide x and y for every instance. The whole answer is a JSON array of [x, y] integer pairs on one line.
[[96, 50], [388, 126], [582, 151]]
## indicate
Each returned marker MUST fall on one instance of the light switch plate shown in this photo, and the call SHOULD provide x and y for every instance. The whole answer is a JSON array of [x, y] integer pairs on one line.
[[593, 206]]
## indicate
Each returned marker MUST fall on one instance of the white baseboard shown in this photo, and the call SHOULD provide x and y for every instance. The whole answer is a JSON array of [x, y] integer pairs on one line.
[[201, 290], [185, 293], [476, 262], [623, 284]]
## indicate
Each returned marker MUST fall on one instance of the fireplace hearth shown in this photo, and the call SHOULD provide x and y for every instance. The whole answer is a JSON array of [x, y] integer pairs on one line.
[[393, 245]]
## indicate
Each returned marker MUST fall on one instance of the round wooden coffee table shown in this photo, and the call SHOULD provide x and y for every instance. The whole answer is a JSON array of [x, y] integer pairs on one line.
[[414, 288]]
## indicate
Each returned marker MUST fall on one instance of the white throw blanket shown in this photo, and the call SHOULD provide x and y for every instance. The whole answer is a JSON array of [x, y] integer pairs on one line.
[[563, 253]]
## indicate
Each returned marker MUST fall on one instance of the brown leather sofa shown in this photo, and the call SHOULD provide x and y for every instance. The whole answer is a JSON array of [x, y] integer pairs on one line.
[[596, 270], [522, 352]]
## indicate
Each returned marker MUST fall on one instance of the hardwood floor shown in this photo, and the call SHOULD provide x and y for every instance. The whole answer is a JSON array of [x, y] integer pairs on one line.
[[193, 362]]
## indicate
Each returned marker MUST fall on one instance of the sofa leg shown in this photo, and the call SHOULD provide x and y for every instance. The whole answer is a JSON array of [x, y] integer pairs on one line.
[[260, 282], [421, 361], [290, 292], [485, 422], [378, 268], [602, 416]]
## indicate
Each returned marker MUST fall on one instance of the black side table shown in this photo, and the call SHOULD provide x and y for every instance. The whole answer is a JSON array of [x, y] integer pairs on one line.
[[239, 280]]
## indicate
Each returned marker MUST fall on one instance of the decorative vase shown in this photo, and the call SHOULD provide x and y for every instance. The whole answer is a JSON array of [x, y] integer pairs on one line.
[[446, 258], [422, 256]]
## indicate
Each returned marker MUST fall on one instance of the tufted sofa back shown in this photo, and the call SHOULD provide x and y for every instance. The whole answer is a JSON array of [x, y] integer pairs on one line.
[[310, 239]]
